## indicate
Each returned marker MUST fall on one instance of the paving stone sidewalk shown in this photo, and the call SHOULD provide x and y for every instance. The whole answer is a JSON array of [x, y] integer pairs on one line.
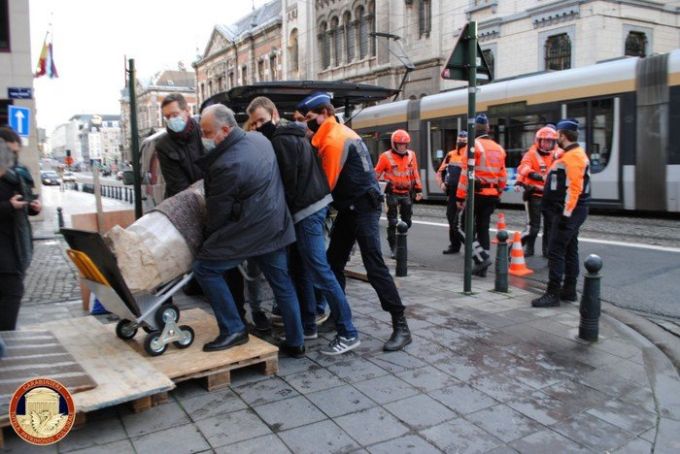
[[485, 373]]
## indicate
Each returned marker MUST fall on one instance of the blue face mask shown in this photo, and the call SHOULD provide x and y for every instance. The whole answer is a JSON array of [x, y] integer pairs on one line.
[[177, 124], [208, 144]]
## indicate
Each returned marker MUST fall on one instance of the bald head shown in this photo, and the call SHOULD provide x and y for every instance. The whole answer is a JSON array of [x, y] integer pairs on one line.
[[217, 121]]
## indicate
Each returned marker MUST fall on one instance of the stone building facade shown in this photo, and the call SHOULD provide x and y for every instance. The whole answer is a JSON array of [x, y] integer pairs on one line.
[[242, 53], [150, 95], [331, 39]]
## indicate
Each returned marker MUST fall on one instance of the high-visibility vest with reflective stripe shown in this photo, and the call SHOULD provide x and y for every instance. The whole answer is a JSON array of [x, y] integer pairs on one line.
[[489, 169], [401, 171], [568, 181], [534, 161]]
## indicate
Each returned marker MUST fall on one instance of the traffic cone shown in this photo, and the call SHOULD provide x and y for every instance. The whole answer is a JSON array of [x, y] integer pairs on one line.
[[500, 225], [518, 266]]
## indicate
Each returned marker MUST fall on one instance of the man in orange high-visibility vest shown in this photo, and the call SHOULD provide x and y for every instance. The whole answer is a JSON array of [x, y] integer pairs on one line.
[[399, 168], [447, 178]]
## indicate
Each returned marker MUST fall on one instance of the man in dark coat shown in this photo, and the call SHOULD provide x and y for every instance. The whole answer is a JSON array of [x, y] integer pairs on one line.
[[178, 152], [308, 196], [247, 219], [16, 247], [179, 149]]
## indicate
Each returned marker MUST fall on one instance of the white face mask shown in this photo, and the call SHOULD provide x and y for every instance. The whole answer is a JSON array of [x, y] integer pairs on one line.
[[177, 123], [208, 144]]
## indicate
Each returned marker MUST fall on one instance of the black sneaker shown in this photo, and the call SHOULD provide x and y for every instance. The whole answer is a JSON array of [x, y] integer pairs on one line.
[[261, 322], [293, 352], [341, 345], [547, 300], [451, 250]]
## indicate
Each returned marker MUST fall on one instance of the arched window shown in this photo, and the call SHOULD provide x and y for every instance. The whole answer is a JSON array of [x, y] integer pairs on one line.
[[244, 75], [324, 46], [362, 31], [558, 52], [349, 35], [273, 68], [337, 41], [489, 59], [371, 26], [636, 44], [424, 17], [231, 79], [293, 51]]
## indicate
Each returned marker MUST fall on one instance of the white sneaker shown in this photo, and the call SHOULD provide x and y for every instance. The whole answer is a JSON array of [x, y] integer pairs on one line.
[[320, 318], [341, 345]]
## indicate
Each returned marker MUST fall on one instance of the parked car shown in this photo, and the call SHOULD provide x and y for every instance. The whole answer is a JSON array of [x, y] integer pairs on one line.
[[68, 177], [49, 178]]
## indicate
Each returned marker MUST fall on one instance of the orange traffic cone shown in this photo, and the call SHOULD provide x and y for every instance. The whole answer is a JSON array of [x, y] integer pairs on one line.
[[518, 266], [500, 225]]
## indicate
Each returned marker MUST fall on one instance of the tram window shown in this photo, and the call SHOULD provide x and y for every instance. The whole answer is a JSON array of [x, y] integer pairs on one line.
[[436, 147], [371, 141], [602, 128], [521, 131]]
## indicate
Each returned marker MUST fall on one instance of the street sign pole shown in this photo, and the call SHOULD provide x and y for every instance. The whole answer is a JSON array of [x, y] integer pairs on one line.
[[470, 203], [134, 142]]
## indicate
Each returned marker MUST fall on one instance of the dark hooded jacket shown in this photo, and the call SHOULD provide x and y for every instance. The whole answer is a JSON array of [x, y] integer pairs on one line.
[[16, 242], [304, 182], [247, 213], [177, 155]]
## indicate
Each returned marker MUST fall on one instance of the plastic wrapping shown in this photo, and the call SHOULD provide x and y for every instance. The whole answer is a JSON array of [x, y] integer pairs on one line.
[[150, 252]]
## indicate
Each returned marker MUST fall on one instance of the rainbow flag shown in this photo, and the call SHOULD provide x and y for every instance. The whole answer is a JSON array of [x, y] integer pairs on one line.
[[46, 66]]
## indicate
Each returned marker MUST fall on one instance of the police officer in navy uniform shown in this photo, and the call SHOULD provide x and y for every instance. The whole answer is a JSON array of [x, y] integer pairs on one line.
[[566, 198]]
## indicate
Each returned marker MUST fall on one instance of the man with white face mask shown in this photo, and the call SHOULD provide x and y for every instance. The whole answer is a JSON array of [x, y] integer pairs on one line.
[[181, 147]]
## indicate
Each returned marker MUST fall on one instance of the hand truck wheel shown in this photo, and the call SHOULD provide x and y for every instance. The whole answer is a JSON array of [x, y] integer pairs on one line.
[[188, 340], [168, 312], [125, 329], [153, 344]]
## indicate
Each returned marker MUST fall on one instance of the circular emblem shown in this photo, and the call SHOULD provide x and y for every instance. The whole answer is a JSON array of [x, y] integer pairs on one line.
[[42, 411]]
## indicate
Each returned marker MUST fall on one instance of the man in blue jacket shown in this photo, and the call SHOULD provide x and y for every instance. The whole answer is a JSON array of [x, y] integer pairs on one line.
[[247, 219]]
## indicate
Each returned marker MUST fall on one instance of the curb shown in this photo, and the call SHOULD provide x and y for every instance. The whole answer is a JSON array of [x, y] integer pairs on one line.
[[661, 370]]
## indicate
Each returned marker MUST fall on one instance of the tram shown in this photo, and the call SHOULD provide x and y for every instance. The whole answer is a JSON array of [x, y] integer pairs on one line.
[[629, 111]]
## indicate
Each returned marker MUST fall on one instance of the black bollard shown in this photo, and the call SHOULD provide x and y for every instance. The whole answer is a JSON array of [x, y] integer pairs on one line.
[[60, 217], [501, 282], [590, 300], [126, 194], [402, 250]]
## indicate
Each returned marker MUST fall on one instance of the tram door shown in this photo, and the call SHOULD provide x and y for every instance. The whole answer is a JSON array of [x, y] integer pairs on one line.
[[442, 139]]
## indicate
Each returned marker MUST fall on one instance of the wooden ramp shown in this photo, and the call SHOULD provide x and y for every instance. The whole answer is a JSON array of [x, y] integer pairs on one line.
[[120, 373], [215, 367], [31, 354]]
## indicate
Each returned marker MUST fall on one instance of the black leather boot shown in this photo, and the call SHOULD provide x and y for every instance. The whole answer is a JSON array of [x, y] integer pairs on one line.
[[401, 335], [550, 298], [568, 291], [529, 248]]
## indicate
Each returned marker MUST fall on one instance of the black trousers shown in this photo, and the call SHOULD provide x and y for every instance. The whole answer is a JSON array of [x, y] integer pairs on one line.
[[452, 217], [401, 205], [563, 258], [11, 291], [534, 213], [361, 224], [234, 280], [484, 208]]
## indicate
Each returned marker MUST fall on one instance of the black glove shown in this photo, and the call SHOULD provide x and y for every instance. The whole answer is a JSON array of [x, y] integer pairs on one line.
[[536, 176], [563, 222]]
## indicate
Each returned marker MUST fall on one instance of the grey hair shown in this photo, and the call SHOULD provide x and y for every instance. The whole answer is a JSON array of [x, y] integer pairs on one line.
[[6, 157], [222, 115]]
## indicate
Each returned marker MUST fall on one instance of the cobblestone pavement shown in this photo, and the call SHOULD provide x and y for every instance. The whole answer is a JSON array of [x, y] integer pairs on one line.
[[660, 232], [485, 373]]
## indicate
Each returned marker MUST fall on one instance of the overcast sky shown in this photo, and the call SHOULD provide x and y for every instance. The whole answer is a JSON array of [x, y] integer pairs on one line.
[[91, 38]]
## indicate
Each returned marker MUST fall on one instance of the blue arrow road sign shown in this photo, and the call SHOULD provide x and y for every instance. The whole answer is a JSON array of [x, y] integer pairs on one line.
[[20, 119]]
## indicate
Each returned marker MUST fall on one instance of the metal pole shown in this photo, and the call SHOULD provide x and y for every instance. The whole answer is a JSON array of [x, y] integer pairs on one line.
[[60, 217], [590, 300], [98, 198], [501, 282], [402, 249], [136, 164], [470, 203]]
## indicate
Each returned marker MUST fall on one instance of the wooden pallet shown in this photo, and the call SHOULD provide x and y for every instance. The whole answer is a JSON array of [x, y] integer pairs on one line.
[[214, 367]]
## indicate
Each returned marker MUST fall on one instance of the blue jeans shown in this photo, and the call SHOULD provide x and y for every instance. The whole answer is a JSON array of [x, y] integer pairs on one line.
[[317, 273], [274, 266]]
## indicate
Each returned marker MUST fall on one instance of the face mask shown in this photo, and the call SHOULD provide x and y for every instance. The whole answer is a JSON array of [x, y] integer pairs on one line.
[[400, 152], [313, 125], [208, 144], [461, 144], [267, 129], [177, 124]]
